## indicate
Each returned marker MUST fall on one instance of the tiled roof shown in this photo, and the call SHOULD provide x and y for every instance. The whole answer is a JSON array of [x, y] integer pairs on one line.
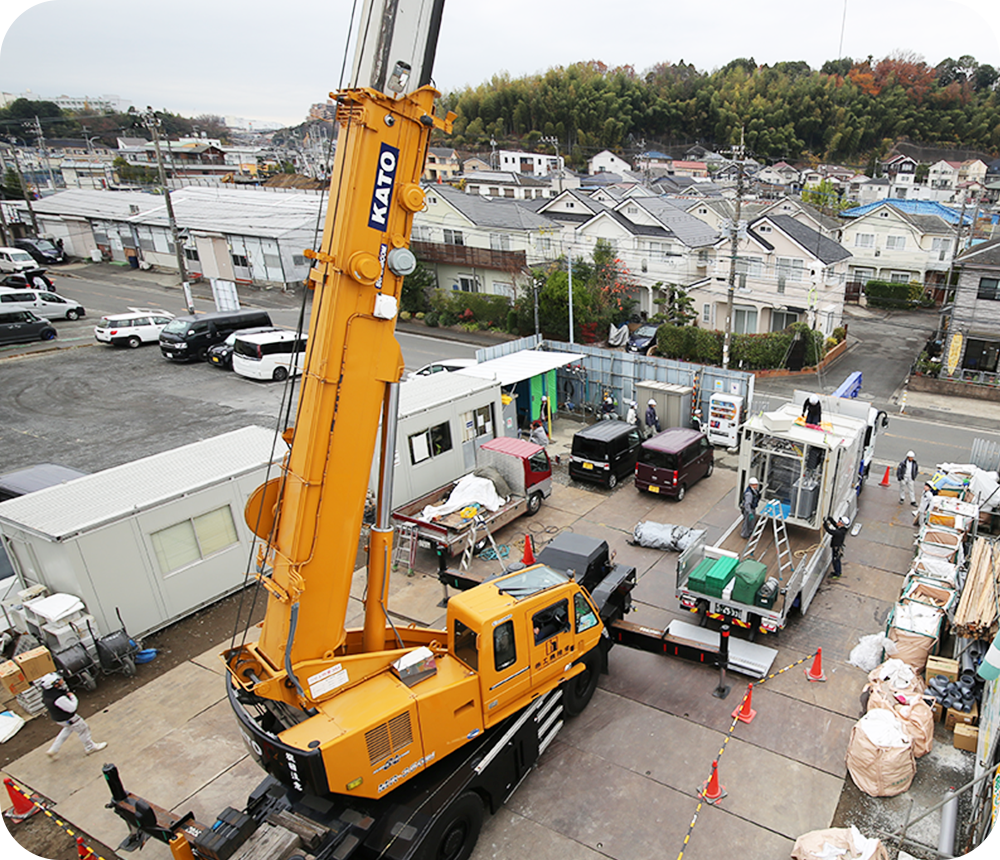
[[811, 240]]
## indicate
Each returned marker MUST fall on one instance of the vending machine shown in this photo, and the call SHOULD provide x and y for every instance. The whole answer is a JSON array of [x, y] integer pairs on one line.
[[724, 412]]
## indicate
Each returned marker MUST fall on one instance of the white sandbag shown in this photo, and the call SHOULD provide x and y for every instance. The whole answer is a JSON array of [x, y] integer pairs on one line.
[[468, 491], [838, 843], [880, 755], [867, 654], [665, 536], [10, 725]]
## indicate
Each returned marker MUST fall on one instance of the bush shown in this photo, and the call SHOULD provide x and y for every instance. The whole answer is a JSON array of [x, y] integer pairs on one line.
[[748, 351], [831, 342], [404, 315], [839, 333], [886, 294], [431, 319], [456, 306], [419, 315]]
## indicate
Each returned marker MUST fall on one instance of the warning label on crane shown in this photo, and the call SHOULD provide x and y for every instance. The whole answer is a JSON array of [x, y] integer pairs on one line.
[[385, 178]]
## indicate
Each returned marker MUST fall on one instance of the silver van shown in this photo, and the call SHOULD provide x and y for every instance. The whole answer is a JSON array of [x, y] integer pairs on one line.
[[42, 302]]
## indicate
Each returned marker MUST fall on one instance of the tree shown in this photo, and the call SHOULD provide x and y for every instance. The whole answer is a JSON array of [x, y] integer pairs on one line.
[[12, 188], [416, 289], [676, 306]]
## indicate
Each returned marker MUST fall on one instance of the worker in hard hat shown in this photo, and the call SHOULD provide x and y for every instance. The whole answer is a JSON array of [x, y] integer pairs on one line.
[[751, 498], [652, 422], [837, 531], [812, 412], [61, 705], [906, 474]]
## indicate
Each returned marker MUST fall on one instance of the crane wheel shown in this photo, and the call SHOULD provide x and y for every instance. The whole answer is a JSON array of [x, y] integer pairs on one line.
[[578, 691], [454, 834]]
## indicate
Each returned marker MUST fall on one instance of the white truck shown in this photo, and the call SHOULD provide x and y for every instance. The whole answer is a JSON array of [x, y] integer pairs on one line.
[[806, 473], [523, 465]]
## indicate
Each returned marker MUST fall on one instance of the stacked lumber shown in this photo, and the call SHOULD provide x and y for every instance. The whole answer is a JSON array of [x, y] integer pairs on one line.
[[976, 616]]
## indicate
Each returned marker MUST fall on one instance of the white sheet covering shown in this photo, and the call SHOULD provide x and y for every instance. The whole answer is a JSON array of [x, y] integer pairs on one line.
[[469, 490]]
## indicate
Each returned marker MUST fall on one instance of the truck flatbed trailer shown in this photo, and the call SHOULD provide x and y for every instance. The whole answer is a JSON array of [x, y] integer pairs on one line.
[[807, 551]]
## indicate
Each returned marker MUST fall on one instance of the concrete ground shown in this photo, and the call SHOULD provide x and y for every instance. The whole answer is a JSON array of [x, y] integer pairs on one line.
[[620, 781]]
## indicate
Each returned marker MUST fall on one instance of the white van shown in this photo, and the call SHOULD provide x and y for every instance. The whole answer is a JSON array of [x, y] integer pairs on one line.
[[42, 302], [269, 355], [16, 260]]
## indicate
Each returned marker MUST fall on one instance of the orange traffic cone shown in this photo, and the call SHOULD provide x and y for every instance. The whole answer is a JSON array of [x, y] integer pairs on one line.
[[82, 850], [815, 672], [21, 806], [885, 478], [744, 713], [711, 791], [529, 552]]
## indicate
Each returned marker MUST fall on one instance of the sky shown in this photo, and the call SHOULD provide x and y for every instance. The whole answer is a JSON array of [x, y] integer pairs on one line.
[[270, 61]]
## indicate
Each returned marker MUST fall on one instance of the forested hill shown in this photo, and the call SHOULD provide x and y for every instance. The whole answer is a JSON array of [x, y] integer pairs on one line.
[[846, 112]]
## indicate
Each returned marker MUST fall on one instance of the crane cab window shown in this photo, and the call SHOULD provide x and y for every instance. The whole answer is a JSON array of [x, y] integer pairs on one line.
[[585, 615], [504, 647], [465, 646], [551, 621]]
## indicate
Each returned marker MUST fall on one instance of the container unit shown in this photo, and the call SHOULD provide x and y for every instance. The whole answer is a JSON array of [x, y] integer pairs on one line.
[[673, 402], [812, 473], [157, 538], [724, 414]]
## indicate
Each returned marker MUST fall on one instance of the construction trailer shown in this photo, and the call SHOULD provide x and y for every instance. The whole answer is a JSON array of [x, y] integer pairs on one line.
[[443, 419], [157, 538]]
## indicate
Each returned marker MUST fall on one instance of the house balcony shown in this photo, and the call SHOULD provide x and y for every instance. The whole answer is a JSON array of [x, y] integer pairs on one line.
[[465, 255]]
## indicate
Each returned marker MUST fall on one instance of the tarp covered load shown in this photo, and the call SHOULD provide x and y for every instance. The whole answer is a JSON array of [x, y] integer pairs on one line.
[[838, 843], [470, 490], [664, 536]]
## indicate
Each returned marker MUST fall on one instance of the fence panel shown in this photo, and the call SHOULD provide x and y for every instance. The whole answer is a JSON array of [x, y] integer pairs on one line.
[[985, 454]]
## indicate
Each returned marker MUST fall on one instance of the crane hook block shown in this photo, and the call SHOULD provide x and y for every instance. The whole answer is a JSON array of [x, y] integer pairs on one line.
[[364, 267]]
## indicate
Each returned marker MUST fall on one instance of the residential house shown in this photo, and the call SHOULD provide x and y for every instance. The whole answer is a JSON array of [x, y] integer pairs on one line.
[[647, 160], [782, 174], [481, 244], [906, 241], [805, 214], [975, 313], [870, 190], [442, 164], [656, 240], [607, 162], [901, 171], [531, 163], [470, 165], [972, 170], [694, 169], [943, 175], [502, 183], [785, 272], [179, 159]]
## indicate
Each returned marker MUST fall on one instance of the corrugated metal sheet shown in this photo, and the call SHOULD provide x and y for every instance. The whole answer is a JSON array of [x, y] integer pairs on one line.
[[95, 500], [87, 203], [518, 366]]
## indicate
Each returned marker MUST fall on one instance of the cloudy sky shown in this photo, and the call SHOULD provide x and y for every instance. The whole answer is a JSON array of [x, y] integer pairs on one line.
[[271, 60]]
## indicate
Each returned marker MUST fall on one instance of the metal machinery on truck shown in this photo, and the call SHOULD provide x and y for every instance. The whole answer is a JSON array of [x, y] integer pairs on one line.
[[806, 473], [383, 741]]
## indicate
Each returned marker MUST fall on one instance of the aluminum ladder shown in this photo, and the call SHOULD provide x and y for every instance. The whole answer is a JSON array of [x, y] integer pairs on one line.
[[478, 522], [405, 546], [782, 548]]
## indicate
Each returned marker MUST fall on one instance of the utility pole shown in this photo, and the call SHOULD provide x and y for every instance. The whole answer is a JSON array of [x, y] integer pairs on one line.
[[152, 122], [555, 142], [493, 154], [569, 260], [45, 152], [24, 188], [733, 248]]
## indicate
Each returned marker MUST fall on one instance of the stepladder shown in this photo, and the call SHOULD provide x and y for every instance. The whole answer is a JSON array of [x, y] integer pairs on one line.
[[772, 515], [404, 551]]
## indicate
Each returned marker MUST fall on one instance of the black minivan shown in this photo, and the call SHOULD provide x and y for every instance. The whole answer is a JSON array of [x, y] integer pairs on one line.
[[604, 452], [188, 338]]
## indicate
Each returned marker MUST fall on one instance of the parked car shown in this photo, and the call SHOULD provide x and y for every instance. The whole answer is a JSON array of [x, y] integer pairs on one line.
[[42, 302], [24, 327], [270, 355], [139, 326], [445, 365], [673, 460], [16, 260], [221, 355], [32, 280], [44, 251], [604, 452], [188, 338], [642, 338]]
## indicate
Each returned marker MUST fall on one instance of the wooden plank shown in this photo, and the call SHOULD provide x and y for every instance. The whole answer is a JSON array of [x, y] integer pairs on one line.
[[267, 843]]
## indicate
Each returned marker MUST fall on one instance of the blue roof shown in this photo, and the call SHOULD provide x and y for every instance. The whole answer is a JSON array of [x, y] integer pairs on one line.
[[910, 207]]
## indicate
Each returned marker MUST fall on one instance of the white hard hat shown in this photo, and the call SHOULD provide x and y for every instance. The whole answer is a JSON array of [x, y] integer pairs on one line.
[[51, 680], [651, 402], [910, 455], [754, 481], [813, 398], [845, 521]]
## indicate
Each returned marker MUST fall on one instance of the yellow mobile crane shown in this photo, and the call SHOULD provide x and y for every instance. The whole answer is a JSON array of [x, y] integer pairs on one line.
[[384, 740]]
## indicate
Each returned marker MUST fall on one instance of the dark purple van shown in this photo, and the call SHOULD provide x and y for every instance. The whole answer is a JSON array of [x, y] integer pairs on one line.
[[672, 461]]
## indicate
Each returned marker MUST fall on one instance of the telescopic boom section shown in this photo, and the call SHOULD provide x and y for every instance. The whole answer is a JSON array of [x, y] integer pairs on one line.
[[352, 356]]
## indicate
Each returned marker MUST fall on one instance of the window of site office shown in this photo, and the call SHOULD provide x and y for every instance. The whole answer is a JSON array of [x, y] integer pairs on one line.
[[432, 442], [193, 539]]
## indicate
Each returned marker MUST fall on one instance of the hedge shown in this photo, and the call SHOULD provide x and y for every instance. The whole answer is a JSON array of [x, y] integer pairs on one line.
[[889, 294], [453, 306], [748, 351]]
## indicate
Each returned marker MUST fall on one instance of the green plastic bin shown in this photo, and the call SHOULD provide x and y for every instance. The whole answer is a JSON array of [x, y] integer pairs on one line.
[[720, 574], [750, 576], [696, 579]]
